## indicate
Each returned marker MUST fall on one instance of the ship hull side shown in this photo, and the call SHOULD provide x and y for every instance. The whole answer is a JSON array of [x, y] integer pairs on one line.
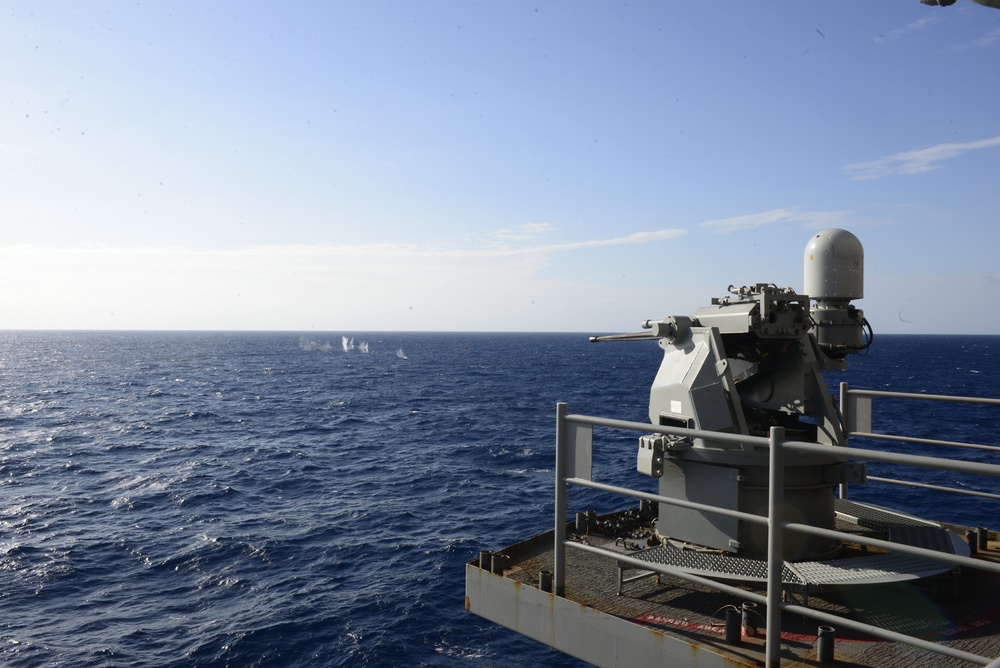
[[585, 633]]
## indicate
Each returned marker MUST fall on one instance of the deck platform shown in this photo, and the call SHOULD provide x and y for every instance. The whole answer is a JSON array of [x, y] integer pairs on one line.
[[662, 620]]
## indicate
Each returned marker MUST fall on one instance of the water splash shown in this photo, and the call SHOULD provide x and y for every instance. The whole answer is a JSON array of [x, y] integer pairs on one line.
[[348, 345]]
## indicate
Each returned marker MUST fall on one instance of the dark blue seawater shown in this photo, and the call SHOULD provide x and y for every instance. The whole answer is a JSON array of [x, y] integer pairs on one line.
[[252, 499]]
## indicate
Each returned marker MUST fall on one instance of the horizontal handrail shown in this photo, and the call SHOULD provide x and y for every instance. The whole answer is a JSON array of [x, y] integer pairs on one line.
[[925, 441], [923, 461], [956, 465], [680, 503], [902, 548], [717, 436], [929, 397], [936, 488]]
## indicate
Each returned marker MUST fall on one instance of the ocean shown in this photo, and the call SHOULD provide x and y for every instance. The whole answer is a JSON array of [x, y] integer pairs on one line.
[[263, 499]]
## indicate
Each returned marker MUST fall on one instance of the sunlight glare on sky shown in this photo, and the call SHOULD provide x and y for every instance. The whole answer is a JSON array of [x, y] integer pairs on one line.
[[556, 166]]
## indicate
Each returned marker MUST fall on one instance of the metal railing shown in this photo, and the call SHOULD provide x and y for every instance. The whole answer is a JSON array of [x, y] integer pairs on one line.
[[574, 465], [857, 413]]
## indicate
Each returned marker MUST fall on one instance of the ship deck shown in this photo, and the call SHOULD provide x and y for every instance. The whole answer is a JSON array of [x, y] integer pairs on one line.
[[957, 607]]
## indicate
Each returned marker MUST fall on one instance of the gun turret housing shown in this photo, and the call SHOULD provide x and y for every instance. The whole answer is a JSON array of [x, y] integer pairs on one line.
[[747, 362]]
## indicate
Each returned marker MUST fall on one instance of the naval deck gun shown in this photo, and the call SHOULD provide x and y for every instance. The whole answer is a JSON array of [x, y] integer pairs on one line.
[[748, 362], [738, 516]]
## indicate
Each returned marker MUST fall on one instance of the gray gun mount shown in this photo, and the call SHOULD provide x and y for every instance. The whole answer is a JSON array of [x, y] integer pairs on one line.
[[747, 362]]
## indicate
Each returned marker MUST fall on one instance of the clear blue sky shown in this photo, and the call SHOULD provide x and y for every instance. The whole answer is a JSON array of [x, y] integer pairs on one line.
[[508, 166]]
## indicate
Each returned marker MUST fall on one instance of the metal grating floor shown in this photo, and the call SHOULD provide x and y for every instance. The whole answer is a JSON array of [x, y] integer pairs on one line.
[[714, 564], [875, 517], [866, 569]]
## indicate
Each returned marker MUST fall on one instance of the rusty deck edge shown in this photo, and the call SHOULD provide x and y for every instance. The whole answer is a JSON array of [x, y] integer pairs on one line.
[[580, 631]]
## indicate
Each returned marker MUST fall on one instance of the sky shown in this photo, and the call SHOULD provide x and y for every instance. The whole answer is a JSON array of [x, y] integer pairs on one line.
[[490, 166]]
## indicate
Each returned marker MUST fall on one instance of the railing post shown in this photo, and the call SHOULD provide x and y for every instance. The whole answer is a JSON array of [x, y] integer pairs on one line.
[[559, 549], [775, 545], [844, 421]]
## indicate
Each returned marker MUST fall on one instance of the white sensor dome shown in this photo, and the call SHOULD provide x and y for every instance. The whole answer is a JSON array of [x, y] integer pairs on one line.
[[834, 266]]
